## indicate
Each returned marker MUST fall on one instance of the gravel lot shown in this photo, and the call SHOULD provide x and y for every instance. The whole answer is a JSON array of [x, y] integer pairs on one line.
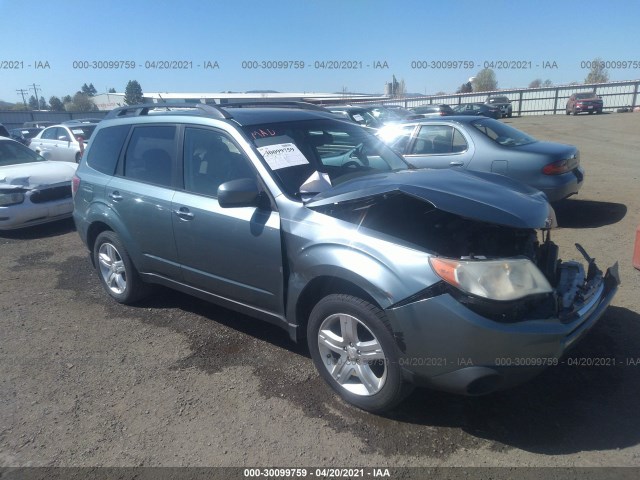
[[175, 381]]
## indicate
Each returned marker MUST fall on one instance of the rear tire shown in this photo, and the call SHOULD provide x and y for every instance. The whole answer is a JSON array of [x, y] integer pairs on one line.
[[117, 274], [353, 349]]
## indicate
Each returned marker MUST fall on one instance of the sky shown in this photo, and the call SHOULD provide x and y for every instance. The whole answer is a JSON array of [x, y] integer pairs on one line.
[[59, 46]]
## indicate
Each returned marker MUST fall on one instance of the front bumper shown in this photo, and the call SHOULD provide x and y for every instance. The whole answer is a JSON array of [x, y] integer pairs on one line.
[[28, 214], [447, 346]]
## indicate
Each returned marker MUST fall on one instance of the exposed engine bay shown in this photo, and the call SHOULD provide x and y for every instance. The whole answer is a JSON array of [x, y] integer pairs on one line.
[[420, 223]]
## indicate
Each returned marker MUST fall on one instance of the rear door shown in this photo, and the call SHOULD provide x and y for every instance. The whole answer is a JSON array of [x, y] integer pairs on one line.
[[439, 146], [234, 253], [141, 193]]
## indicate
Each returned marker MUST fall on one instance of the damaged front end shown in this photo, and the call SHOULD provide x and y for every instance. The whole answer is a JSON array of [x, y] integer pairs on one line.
[[489, 237]]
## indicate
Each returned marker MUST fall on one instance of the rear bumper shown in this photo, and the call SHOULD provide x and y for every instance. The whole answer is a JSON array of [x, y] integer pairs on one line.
[[449, 347], [559, 187]]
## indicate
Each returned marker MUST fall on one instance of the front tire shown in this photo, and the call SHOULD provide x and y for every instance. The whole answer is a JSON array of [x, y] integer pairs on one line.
[[352, 347], [116, 271]]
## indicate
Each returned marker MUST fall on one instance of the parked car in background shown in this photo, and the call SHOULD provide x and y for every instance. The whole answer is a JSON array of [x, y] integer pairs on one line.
[[486, 145], [388, 114], [24, 134], [477, 109], [81, 120], [360, 115], [32, 189], [433, 110], [64, 143], [38, 124], [321, 229], [502, 102], [584, 102]]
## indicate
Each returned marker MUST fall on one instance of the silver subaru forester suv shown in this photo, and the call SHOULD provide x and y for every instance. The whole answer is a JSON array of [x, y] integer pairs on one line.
[[393, 276]]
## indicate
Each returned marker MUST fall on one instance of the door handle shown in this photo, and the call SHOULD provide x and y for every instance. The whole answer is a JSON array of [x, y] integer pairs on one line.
[[115, 196], [184, 213], [456, 163]]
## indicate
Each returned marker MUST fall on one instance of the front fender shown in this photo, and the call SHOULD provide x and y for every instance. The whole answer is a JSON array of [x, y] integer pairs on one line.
[[376, 275]]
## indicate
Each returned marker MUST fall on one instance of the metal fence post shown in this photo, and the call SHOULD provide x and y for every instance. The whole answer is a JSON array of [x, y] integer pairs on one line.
[[555, 101]]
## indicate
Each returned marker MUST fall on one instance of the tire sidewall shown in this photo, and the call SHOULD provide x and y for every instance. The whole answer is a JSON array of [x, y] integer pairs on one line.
[[392, 391]]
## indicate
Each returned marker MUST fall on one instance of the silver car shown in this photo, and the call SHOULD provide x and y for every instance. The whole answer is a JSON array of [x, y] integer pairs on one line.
[[393, 276], [483, 144], [32, 189], [63, 143]]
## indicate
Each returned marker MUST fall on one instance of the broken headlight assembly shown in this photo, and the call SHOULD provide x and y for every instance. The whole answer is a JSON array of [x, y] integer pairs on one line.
[[501, 280], [11, 198]]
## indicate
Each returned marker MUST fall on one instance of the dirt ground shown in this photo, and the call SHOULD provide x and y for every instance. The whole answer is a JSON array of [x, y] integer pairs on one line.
[[175, 381]]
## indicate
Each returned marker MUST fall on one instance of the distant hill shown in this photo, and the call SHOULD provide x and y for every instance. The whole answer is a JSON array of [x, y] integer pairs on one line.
[[6, 105], [261, 91]]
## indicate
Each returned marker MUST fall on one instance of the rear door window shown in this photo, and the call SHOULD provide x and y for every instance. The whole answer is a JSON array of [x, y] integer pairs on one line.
[[150, 155]]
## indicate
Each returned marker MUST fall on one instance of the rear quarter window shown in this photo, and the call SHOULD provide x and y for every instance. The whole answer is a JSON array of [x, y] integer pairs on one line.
[[106, 147]]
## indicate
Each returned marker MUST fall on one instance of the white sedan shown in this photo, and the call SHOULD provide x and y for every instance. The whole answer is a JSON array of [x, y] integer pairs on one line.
[[33, 190], [64, 143]]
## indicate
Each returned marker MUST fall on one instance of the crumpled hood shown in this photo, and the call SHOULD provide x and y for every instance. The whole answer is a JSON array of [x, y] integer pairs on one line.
[[485, 197], [36, 174]]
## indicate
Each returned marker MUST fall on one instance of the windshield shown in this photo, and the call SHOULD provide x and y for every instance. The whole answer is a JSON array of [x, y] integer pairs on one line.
[[581, 96], [14, 153], [503, 134], [498, 100], [311, 156]]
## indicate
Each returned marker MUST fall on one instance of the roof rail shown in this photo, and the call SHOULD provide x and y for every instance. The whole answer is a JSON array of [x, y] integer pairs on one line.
[[276, 104], [144, 108]]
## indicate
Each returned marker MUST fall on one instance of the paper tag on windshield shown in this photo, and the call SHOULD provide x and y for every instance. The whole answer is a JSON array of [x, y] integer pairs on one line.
[[283, 155], [78, 132], [358, 118]]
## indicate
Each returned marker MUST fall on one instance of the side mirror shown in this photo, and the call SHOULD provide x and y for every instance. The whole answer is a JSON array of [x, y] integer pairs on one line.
[[238, 193]]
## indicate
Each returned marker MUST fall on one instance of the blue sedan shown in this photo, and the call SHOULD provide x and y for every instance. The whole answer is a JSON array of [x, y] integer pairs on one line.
[[487, 145]]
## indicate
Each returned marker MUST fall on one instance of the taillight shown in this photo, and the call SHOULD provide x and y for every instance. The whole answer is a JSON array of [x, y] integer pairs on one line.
[[561, 166], [75, 184]]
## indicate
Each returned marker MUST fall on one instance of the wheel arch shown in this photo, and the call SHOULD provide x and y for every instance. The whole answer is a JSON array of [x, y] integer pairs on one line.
[[317, 289]]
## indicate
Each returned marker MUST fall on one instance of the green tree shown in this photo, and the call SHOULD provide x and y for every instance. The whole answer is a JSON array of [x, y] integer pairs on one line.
[[43, 104], [537, 83], [597, 74], [88, 90], [56, 104], [20, 106], [133, 93], [465, 88], [485, 81], [112, 90], [67, 99], [33, 103], [547, 83], [81, 103]]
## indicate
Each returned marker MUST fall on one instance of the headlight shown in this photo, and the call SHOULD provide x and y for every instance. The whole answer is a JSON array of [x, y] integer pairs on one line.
[[11, 198], [508, 279]]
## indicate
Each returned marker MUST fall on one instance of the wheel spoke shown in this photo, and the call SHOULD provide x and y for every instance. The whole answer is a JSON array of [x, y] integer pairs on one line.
[[120, 282], [368, 378], [349, 329], [342, 369], [111, 279], [119, 267], [331, 341], [105, 260], [370, 350]]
